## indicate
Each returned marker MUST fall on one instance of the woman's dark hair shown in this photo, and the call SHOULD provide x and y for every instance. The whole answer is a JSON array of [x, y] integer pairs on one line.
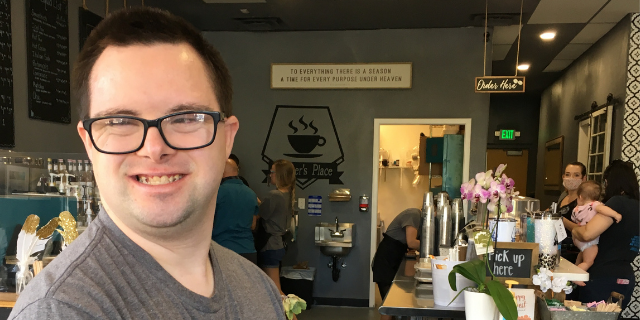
[[620, 179], [583, 169]]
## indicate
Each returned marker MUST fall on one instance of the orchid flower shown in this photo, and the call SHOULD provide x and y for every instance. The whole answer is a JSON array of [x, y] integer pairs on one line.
[[500, 169], [467, 189], [480, 194], [484, 179], [507, 182]]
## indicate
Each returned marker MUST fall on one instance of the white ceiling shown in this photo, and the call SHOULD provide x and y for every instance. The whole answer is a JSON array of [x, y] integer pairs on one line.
[[565, 11], [600, 16], [592, 32]]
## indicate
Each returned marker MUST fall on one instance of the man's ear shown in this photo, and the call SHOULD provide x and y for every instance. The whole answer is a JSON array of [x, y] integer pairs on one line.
[[86, 140], [231, 126]]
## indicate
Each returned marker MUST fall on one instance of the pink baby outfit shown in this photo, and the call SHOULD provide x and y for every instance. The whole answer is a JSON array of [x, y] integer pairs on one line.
[[581, 215]]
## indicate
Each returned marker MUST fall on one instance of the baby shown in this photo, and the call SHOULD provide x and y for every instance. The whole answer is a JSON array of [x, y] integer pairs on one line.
[[588, 206]]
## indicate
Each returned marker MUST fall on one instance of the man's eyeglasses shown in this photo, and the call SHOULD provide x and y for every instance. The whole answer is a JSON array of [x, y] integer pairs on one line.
[[186, 130]]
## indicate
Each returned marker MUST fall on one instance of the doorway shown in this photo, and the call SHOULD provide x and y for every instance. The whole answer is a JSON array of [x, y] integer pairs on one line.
[[403, 172], [517, 162]]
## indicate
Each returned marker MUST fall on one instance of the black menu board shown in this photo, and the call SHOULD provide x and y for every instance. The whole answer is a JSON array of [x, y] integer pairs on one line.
[[48, 60], [7, 127], [87, 21]]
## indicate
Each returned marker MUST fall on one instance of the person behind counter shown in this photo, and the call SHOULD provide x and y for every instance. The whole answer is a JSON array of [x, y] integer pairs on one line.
[[236, 214], [149, 255], [401, 234], [575, 173], [276, 212], [618, 246]]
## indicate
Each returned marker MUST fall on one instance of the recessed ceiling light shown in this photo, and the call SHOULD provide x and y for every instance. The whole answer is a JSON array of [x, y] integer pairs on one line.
[[245, 11], [523, 67], [548, 35]]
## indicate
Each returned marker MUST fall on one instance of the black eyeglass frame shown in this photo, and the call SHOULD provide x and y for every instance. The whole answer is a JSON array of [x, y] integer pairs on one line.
[[217, 118]]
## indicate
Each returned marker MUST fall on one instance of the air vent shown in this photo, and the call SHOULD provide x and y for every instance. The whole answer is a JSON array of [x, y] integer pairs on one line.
[[496, 19], [261, 23]]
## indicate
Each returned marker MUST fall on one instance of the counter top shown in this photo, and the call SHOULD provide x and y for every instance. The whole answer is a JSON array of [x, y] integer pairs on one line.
[[570, 271], [8, 299], [409, 298]]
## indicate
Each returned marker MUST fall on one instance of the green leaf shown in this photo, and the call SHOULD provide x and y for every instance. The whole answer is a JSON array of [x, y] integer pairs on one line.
[[459, 293], [503, 299], [472, 270]]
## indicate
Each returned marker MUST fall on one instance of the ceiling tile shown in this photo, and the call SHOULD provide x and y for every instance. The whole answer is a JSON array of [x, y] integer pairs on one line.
[[500, 51], [616, 10], [592, 32], [565, 11], [504, 35], [557, 65], [572, 51]]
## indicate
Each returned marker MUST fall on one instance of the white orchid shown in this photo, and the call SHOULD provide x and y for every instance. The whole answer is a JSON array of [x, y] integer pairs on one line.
[[545, 280]]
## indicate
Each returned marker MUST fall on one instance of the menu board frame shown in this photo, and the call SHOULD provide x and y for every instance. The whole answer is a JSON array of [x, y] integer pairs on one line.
[[48, 72], [7, 122]]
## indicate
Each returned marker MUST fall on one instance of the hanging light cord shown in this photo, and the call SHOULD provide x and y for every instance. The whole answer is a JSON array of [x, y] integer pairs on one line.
[[519, 29], [486, 14]]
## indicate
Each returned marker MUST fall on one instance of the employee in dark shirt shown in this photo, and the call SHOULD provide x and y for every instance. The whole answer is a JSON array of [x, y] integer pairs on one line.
[[618, 247], [236, 214], [401, 235]]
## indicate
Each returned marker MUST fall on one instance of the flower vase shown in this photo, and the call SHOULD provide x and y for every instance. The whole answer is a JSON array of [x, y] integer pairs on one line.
[[480, 306]]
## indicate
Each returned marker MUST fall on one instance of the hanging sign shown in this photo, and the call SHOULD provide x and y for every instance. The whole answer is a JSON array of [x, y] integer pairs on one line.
[[389, 75], [501, 84]]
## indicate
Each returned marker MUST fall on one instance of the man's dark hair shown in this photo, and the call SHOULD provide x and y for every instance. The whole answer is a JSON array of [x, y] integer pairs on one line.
[[147, 26], [583, 169], [620, 179]]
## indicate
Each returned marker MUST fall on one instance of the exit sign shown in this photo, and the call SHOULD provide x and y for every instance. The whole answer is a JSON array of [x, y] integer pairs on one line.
[[507, 134]]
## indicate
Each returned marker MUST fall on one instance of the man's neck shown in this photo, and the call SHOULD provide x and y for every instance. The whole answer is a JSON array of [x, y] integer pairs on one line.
[[186, 259]]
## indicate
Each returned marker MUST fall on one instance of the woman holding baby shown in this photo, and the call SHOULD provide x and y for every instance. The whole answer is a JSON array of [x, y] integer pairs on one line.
[[607, 233]]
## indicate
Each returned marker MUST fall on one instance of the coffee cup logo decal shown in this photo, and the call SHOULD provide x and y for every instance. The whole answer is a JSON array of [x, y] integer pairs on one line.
[[307, 137], [304, 143]]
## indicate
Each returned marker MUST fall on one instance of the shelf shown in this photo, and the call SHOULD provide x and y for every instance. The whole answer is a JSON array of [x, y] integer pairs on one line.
[[570, 271], [395, 167]]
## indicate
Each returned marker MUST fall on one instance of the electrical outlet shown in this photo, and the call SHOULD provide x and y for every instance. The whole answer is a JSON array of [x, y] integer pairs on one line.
[[301, 203]]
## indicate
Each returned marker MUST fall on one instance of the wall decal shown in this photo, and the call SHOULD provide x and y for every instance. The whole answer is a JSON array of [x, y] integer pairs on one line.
[[307, 137], [631, 139]]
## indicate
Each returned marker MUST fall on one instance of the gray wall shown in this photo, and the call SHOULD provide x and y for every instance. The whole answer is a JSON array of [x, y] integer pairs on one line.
[[599, 71], [445, 62], [43, 136]]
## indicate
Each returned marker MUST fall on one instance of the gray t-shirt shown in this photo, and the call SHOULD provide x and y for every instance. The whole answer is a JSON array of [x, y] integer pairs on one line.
[[275, 209], [105, 275], [409, 217]]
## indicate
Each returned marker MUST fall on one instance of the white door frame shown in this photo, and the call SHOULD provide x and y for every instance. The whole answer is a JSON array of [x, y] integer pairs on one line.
[[466, 122]]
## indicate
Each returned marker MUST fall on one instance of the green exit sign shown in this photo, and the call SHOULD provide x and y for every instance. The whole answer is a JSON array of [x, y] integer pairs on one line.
[[507, 134]]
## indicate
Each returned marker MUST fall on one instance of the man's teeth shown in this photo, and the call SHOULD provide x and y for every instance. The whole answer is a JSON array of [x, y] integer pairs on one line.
[[155, 180]]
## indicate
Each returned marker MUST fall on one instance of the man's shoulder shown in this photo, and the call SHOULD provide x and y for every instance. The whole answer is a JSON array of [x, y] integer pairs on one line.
[[65, 281], [234, 266]]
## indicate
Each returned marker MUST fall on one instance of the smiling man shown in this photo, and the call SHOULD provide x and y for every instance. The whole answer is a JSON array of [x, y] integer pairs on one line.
[[155, 104]]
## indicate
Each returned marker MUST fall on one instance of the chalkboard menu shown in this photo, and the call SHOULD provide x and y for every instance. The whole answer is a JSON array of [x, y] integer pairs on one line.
[[48, 60], [87, 21], [514, 260], [7, 127]]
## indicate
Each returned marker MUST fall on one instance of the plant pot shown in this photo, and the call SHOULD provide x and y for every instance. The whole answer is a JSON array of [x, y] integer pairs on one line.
[[480, 306], [442, 293]]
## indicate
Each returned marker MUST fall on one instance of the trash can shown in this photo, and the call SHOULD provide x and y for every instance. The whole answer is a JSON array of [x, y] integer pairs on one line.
[[298, 282]]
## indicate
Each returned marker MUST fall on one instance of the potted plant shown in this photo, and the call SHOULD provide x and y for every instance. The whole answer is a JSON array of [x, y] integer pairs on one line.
[[489, 295]]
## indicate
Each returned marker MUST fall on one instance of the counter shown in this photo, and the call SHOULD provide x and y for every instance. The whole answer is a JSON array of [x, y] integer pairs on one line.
[[409, 298]]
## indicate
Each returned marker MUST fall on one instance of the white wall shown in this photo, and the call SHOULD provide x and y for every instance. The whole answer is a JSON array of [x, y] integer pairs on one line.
[[395, 191]]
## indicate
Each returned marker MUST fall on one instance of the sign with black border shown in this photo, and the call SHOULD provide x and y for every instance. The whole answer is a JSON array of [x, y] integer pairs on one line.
[[500, 84], [514, 261]]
